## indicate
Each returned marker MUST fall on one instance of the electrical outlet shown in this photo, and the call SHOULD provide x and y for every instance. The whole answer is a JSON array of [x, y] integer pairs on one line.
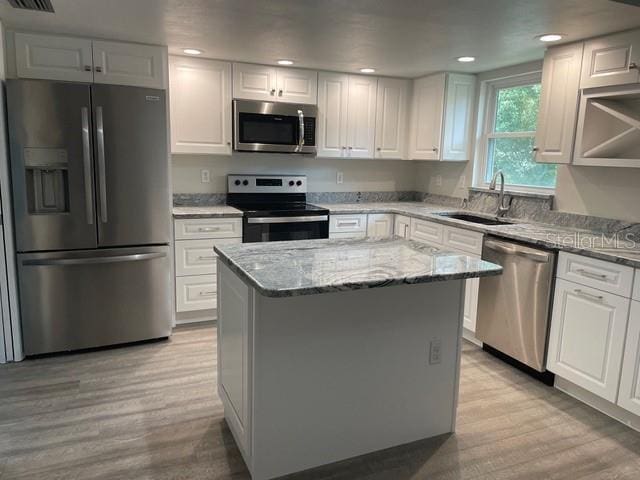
[[205, 176], [462, 182], [438, 180], [339, 177], [435, 351]]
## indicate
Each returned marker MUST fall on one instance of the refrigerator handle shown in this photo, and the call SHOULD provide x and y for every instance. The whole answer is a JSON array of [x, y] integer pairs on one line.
[[86, 160], [102, 174], [92, 260]]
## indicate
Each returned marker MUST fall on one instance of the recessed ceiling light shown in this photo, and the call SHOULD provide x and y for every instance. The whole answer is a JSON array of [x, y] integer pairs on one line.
[[550, 37], [466, 59], [285, 62], [368, 70], [192, 51]]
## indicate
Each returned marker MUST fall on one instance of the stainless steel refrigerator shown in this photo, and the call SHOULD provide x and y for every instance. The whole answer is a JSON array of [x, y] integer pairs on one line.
[[91, 208]]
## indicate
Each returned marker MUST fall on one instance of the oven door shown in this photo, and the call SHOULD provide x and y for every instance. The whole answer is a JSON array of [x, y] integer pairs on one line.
[[276, 229], [274, 127]]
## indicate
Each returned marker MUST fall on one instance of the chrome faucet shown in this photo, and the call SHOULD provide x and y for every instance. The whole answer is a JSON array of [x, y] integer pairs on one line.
[[502, 207]]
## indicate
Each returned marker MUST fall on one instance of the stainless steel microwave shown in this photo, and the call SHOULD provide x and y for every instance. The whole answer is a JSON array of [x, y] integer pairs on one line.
[[274, 127]]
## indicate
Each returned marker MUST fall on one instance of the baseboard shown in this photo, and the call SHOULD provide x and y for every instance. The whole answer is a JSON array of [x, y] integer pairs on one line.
[[610, 409], [197, 316], [470, 336]]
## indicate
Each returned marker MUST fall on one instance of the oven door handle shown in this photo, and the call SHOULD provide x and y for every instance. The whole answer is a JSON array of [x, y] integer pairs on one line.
[[300, 131], [308, 218]]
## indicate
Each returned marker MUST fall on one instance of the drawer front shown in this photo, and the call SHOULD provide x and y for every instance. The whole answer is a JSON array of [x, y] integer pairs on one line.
[[196, 293], [193, 228], [464, 240], [606, 276], [348, 235], [348, 223], [196, 257], [428, 232], [636, 286]]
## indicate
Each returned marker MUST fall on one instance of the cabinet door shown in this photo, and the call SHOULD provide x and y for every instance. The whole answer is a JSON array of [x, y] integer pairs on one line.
[[559, 102], [458, 117], [629, 395], [200, 106], [297, 86], [130, 64], [254, 82], [402, 226], [380, 225], [427, 232], [587, 335], [611, 60], [333, 91], [472, 287], [391, 118], [53, 58], [426, 117], [361, 116]]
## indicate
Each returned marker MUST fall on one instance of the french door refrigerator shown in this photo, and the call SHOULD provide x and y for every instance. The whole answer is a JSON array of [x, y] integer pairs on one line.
[[91, 209]]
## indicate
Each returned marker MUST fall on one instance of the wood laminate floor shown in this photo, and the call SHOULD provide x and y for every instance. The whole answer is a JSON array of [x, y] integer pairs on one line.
[[151, 412]]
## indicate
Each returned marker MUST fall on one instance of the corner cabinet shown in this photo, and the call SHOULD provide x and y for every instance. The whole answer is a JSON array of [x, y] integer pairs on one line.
[[200, 106], [274, 84], [442, 117], [84, 60], [346, 115], [559, 101]]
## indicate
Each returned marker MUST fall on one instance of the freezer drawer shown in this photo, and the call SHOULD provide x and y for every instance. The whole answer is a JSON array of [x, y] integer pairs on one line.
[[91, 298]]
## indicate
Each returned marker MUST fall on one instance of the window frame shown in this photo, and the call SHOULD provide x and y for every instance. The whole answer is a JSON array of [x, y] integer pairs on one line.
[[487, 131]]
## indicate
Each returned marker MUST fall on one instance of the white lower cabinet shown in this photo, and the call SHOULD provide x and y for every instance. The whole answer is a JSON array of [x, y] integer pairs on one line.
[[629, 394], [587, 337], [380, 225], [402, 226], [196, 292], [348, 226]]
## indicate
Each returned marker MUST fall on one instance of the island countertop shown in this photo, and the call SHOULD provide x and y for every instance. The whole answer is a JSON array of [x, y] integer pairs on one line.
[[284, 269]]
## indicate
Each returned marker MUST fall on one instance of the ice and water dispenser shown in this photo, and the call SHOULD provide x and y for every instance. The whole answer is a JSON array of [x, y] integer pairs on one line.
[[47, 182]]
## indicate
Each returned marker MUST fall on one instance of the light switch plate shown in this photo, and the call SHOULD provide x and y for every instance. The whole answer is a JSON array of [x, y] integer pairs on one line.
[[339, 177], [435, 351], [205, 176], [438, 180]]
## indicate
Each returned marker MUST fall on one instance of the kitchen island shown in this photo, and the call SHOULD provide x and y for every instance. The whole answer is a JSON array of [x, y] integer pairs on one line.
[[329, 349]]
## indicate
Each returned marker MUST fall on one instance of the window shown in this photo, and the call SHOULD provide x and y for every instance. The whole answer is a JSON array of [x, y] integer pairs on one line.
[[510, 129]]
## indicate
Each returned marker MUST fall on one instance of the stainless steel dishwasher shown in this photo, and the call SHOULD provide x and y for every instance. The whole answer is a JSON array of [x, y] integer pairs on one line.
[[513, 308]]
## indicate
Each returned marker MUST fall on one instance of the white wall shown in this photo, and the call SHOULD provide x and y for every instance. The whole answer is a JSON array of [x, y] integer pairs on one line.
[[359, 175]]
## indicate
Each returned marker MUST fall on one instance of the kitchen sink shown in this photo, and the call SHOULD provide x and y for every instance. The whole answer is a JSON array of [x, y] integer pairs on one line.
[[468, 217]]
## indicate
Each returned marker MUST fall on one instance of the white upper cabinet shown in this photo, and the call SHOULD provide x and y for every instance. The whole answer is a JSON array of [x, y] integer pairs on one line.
[[458, 117], [53, 58], [442, 117], [295, 85], [361, 116], [84, 60], [391, 118], [427, 111], [333, 91], [559, 101], [254, 82], [200, 106], [118, 63], [346, 115], [271, 84], [629, 394], [611, 60]]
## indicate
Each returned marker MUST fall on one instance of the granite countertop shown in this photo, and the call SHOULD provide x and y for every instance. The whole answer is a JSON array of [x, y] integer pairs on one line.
[[284, 269], [212, 211]]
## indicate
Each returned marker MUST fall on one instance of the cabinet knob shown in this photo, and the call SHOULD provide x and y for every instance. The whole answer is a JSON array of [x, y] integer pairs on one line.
[[343, 148], [350, 148], [633, 66], [535, 149], [273, 91], [87, 68], [435, 149], [280, 92], [378, 149], [229, 143], [99, 69]]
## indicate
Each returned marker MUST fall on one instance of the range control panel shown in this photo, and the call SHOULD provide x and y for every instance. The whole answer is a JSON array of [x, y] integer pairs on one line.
[[267, 183]]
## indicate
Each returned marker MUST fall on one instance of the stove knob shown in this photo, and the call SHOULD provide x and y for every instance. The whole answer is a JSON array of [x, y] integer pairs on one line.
[[299, 182], [291, 183], [245, 182], [237, 182]]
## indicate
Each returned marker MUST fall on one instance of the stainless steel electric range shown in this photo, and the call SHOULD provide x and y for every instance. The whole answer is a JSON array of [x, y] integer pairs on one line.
[[275, 208]]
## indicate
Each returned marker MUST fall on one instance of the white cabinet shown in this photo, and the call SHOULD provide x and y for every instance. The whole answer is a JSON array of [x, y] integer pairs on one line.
[[262, 82], [380, 225], [392, 110], [200, 106], [186, 229], [85, 60], [348, 226], [629, 394], [427, 232], [471, 294], [636, 286], [402, 226], [197, 257], [559, 101], [54, 58], [132, 64], [587, 337], [608, 276], [442, 117], [195, 293], [346, 115], [611, 60]]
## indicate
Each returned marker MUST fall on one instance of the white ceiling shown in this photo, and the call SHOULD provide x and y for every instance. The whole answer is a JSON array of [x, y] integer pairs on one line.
[[397, 37]]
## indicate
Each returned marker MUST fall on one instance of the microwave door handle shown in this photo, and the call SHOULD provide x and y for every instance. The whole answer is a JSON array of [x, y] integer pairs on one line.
[[300, 131]]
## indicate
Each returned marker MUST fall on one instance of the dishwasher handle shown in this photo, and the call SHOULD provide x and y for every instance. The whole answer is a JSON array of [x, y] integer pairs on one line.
[[514, 249]]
